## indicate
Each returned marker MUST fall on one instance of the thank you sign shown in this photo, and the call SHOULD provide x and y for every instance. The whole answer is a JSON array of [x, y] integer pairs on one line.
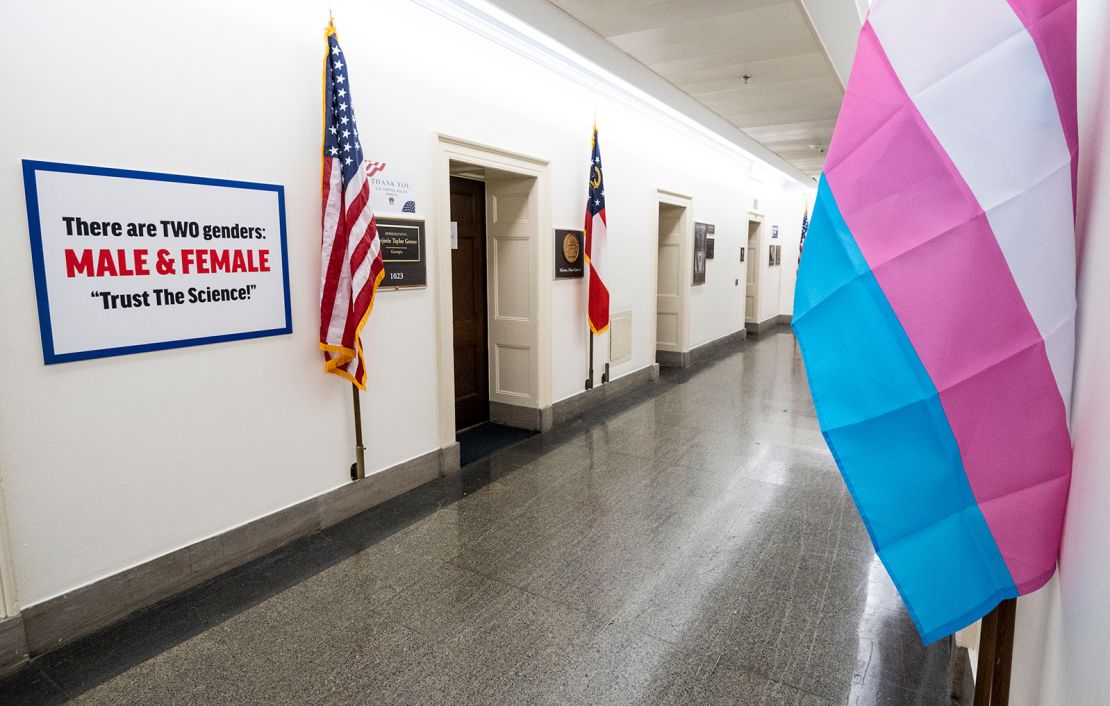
[[127, 261]]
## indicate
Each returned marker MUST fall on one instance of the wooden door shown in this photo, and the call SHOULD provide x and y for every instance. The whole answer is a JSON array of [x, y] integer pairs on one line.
[[468, 294], [754, 252], [672, 280], [512, 205]]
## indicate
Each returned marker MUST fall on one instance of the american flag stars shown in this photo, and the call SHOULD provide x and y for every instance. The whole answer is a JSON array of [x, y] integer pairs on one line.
[[340, 117]]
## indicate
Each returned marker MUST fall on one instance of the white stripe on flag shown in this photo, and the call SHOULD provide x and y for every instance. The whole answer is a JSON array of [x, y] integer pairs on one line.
[[975, 75], [331, 222], [338, 314], [358, 231], [599, 249]]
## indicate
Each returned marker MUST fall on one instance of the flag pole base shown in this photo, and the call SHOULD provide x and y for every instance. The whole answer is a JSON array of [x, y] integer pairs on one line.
[[358, 468], [605, 375], [590, 366]]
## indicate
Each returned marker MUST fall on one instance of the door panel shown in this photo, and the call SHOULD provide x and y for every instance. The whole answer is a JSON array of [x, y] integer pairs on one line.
[[513, 217], [751, 289], [668, 303], [468, 294]]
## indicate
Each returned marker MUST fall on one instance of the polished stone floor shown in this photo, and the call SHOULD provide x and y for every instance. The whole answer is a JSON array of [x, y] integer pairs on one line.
[[690, 542]]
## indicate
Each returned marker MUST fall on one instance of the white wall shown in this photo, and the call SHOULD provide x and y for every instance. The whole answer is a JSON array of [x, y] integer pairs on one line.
[[109, 463], [717, 307], [1062, 642]]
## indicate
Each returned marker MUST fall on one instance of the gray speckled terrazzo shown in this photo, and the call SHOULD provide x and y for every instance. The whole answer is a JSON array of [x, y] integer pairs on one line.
[[691, 542]]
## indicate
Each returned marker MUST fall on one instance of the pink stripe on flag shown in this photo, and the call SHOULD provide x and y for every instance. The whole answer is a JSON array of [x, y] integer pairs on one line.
[[936, 258], [1052, 24]]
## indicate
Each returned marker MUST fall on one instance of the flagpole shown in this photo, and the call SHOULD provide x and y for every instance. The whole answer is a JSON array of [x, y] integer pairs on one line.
[[590, 331], [996, 655], [358, 470], [590, 335]]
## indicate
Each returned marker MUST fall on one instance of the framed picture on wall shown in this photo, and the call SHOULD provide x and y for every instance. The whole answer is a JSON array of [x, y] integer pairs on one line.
[[741, 253], [569, 261], [771, 256], [709, 248], [700, 238], [778, 255]]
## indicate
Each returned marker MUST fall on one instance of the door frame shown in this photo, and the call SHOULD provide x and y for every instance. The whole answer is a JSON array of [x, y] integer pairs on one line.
[[447, 149], [9, 606], [686, 264], [757, 218]]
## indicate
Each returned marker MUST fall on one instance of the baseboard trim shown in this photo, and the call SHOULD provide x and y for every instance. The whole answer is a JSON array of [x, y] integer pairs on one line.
[[764, 326], [58, 621], [578, 404], [13, 645], [674, 359], [711, 348], [963, 683], [512, 415]]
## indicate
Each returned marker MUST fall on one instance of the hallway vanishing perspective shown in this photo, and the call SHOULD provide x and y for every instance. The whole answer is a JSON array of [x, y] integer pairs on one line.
[[690, 542]]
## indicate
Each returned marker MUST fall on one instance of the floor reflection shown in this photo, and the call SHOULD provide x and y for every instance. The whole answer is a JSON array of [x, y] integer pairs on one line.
[[691, 542]]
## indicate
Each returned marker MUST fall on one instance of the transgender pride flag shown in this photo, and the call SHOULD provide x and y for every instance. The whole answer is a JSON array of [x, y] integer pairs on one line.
[[936, 305]]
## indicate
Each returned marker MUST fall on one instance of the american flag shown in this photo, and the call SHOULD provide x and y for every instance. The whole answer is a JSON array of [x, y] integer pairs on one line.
[[805, 227], [596, 244], [351, 255]]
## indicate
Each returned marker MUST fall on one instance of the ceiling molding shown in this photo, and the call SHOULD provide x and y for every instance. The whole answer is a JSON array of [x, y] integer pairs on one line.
[[842, 80], [835, 24], [570, 49]]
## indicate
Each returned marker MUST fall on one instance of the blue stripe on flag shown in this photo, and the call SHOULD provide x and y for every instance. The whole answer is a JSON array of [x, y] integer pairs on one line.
[[884, 423]]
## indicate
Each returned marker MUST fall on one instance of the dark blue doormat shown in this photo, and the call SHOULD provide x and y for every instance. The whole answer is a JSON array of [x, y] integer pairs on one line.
[[483, 440]]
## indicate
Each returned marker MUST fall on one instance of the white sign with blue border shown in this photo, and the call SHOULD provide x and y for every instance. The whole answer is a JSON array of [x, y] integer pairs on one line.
[[129, 262]]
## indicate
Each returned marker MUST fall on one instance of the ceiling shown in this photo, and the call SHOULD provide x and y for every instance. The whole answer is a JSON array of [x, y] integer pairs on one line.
[[704, 47]]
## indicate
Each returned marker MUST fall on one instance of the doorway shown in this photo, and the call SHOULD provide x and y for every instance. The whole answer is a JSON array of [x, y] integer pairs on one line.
[[512, 352], [468, 303], [751, 289], [673, 280]]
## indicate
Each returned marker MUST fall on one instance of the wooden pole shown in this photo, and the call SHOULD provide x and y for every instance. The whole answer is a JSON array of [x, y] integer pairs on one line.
[[1004, 652], [358, 470], [984, 673], [996, 655]]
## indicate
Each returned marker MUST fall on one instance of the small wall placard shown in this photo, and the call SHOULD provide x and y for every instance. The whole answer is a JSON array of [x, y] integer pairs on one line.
[[403, 253], [127, 261], [710, 247], [702, 231], [570, 260]]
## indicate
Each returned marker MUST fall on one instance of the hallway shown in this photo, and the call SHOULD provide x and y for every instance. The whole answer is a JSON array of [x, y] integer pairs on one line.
[[691, 542]]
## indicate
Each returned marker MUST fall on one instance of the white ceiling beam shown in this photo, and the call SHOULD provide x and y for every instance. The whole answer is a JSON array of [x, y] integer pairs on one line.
[[836, 25]]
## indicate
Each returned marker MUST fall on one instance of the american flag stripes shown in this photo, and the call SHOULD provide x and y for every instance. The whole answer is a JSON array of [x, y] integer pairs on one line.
[[351, 258], [596, 243]]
